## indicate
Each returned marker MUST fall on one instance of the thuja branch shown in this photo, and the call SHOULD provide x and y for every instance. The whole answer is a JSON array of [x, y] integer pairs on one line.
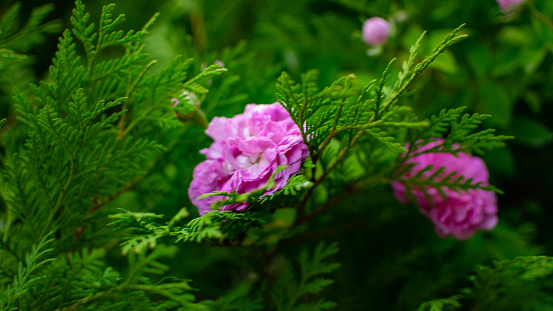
[[130, 88], [449, 40], [318, 180], [59, 202], [100, 203]]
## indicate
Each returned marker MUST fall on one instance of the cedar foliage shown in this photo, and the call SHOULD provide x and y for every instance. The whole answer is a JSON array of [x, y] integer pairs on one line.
[[101, 123]]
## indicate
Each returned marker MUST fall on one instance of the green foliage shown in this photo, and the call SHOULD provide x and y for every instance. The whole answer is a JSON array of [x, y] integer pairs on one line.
[[25, 275], [443, 304], [523, 283], [214, 226], [459, 137], [100, 132], [333, 115], [239, 299], [80, 154], [292, 286], [402, 84], [323, 115], [16, 40], [83, 282]]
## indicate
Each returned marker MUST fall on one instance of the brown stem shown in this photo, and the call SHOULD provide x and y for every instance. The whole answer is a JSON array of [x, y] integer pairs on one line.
[[99, 204], [540, 15], [318, 181]]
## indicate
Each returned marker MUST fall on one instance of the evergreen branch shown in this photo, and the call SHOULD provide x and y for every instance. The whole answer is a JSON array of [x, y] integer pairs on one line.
[[8, 22], [428, 177], [116, 292], [193, 85], [304, 100], [23, 280], [500, 286], [289, 288], [408, 64], [10, 54], [148, 231], [218, 225], [442, 304], [84, 32], [448, 41], [379, 91], [22, 39], [459, 138]]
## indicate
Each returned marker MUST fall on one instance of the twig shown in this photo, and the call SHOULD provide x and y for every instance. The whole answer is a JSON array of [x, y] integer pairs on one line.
[[540, 15]]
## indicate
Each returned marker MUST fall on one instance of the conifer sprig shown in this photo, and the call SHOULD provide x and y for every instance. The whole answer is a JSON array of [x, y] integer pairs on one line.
[[402, 83], [25, 275], [13, 37], [501, 285], [75, 159], [81, 281], [421, 181], [462, 135], [292, 286]]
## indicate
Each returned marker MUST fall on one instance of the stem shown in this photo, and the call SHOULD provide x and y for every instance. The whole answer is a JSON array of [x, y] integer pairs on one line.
[[59, 202], [197, 24], [340, 157], [99, 204], [318, 181], [332, 132], [128, 94], [91, 297], [540, 15]]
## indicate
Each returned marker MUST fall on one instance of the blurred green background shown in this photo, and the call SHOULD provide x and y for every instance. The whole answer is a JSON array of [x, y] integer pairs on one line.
[[391, 259]]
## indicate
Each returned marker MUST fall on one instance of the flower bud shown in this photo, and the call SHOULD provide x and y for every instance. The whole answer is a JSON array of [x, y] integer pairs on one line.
[[376, 31], [509, 6], [175, 102]]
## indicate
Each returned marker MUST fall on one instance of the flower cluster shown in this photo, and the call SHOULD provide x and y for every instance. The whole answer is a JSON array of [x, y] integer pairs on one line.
[[246, 152], [459, 214], [376, 31]]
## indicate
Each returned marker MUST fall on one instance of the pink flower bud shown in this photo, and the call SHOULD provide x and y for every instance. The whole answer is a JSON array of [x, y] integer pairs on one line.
[[187, 96], [175, 103], [509, 6], [376, 31]]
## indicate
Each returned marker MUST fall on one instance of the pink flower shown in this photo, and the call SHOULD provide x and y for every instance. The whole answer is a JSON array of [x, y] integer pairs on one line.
[[376, 31], [459, 214], [509, 6], [190, 98], [246, 151]]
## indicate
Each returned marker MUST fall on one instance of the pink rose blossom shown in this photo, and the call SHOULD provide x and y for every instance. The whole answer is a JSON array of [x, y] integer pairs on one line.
[[246, 151], [508, 6], [459, 214], [376, 31]]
